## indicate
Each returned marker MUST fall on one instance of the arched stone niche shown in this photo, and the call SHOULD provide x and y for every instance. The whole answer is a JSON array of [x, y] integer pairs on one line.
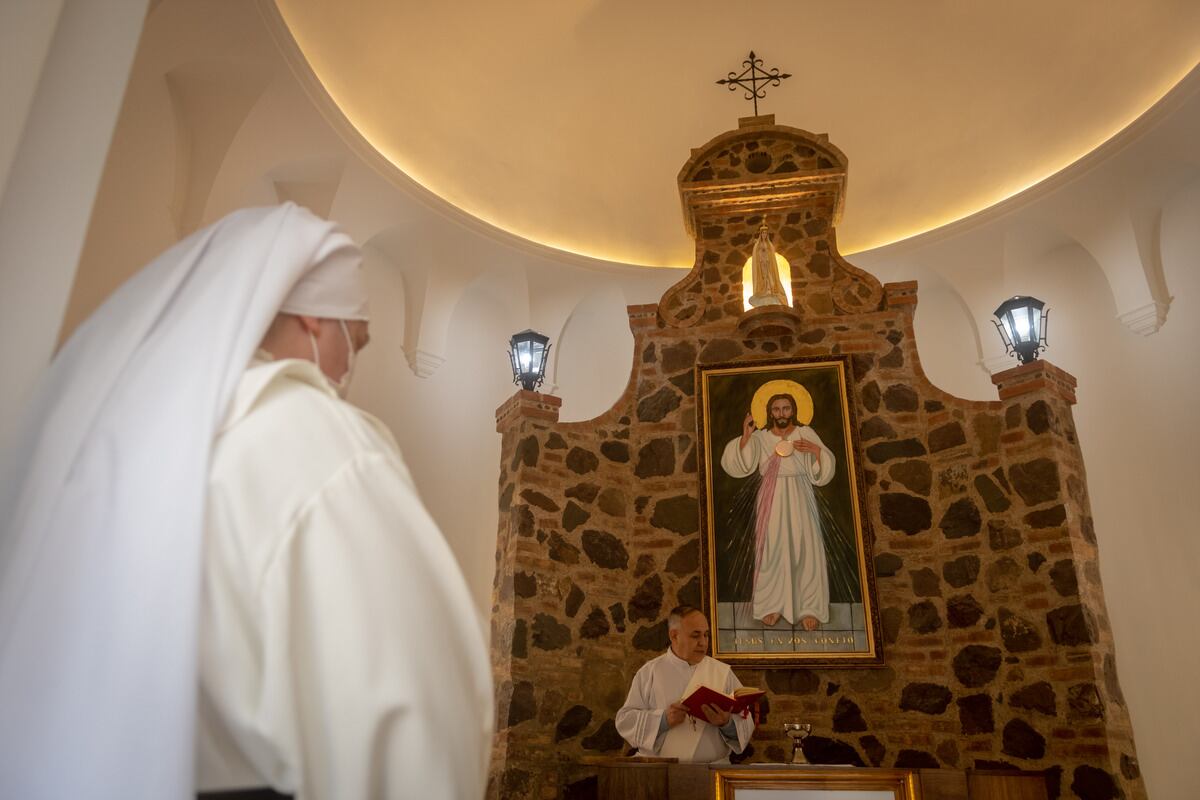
[[997, 646]]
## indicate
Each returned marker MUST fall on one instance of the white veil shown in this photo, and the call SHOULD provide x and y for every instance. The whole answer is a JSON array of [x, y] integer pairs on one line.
[[102, 501]]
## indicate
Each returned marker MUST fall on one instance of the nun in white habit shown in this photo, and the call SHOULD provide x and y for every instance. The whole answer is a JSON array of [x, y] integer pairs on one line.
[[214, 572]]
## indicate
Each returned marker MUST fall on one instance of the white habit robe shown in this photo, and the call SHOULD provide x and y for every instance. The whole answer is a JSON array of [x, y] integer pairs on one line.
[[790, 575], [340, 653], [668, 679]]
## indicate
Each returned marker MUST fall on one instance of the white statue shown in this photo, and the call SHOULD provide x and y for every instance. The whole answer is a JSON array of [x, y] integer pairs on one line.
[[768, 289]]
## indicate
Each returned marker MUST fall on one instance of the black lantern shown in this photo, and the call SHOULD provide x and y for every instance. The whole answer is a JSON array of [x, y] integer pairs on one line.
[[1022, 326], [528, 351]]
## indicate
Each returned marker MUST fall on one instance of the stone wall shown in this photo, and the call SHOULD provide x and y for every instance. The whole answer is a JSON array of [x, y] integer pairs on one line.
[[996, 642]]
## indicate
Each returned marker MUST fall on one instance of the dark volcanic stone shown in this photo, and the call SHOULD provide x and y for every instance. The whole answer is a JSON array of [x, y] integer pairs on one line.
[[685, 382], [871, 396], [549, 633], [1002, 536], [947, 436], [903, 512], [556, 442], [1039, 417], [899, 397], [928, 698], [649, 356], [720, 350], [963, 611], [615, 451], [612, 502], [522, 706], [685, 560], [1129, 767], [574, 601], [913, 475], [604, 739], [595, 626], [1069, 626], [1093, 783], [925, 582], [923, 617], [1003, 574], [976, 664], [572, 723], [1046, 518], [962, 571], [689, 593], [916, 759], [574, 516], [961, 519], [535, 498], [655, 407], [506, 497], [1018, 633], [525, 453], [815, 336], [605, 550], [882, 452], [1062, 575], [1022, 741], [993, 498], [524, 584], [1036, 481], [515, 782], [893, 360], [655, 459], [892, 619], [876, 428], [679, 514], [561, 550], [523, 515], [793, 681], [887, 565], [676, 357], [652, 637], [821, 750], [975, 714], [1035, 561], [947, 752], [581, 461], [874, 749], [617, 612], [1036, 696], [1083, 701], [584, 492], [520, 639], [847, 717], [647, 600]]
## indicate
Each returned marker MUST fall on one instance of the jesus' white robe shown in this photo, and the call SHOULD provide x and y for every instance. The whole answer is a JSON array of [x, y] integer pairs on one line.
[[668, 679], [791, 575], [341, 655]]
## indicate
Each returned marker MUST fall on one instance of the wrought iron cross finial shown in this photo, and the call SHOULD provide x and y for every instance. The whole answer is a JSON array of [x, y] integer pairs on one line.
[[751, 78]]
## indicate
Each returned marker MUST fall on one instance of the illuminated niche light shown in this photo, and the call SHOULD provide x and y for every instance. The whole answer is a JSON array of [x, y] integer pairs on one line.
[[785, 276]]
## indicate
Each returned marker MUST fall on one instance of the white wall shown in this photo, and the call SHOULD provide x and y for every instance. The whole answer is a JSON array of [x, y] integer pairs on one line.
[[447, 294]]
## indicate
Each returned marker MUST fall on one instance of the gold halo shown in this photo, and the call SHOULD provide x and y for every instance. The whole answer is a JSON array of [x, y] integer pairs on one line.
[[804, 403]]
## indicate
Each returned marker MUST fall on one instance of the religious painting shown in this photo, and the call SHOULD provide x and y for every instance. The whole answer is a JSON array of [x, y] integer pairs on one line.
[[787, 570]]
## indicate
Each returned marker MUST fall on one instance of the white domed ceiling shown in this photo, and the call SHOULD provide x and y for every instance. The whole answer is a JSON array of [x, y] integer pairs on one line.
[[567, 122]]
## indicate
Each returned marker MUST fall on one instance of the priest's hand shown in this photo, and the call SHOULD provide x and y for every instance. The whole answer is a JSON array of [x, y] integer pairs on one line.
[[715, 715], [676, 713], [748, 429]]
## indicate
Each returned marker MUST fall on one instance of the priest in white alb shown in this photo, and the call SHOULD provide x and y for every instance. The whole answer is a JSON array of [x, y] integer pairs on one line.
[[655, 721]]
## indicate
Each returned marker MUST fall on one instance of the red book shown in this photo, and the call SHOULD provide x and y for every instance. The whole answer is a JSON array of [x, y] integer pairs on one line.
[[736, 703]]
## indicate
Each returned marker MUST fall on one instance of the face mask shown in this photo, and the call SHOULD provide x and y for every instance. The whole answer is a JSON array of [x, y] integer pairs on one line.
[[342, 387]]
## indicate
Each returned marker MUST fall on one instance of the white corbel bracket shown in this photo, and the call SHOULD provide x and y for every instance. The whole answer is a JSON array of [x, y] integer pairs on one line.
[[423, 363], [1146, 319]]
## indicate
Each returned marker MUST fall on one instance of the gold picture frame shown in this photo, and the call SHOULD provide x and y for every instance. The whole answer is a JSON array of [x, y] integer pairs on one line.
[[904, 784], [788, 578]]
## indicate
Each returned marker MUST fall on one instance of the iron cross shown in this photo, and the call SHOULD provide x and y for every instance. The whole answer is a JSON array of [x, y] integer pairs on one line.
[[752, 77]]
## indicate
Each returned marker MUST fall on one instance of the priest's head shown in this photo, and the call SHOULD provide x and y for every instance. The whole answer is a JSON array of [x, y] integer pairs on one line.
[[324, 318], [687, 628]]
